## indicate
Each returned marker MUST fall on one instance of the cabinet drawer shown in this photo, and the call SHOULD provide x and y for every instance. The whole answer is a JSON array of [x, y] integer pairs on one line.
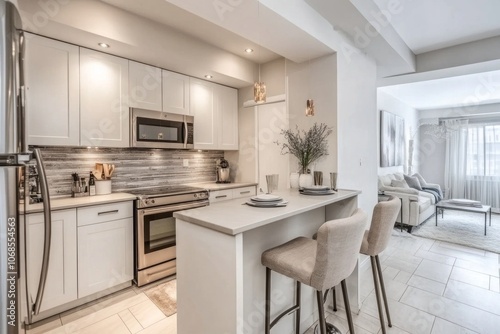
[[105, 212], [244, 192], [221, 195]]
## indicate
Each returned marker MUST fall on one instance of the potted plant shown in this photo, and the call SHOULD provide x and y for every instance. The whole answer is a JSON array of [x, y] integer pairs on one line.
[[307, 147]]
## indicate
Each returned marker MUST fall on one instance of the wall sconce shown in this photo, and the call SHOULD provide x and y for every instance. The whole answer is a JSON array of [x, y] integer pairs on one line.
[[259, 92], [310, 108]]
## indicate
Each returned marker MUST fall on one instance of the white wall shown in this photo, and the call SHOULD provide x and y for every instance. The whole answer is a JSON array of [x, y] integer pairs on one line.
[[357, 126], [391, 104]]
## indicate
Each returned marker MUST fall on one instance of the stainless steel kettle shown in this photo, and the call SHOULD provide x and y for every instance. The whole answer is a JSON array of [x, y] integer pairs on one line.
[[222, 171]]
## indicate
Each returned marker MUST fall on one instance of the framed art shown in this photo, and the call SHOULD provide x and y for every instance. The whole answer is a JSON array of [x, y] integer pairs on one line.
[[392, 139]]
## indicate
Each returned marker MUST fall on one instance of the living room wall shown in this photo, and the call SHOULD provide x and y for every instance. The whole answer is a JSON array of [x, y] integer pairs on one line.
[[391, 104]]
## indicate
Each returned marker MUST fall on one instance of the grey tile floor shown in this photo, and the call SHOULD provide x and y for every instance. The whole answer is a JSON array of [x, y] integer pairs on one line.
[[433, 287]]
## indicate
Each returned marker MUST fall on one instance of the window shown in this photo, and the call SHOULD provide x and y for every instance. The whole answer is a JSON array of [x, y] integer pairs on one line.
[[483, 150]]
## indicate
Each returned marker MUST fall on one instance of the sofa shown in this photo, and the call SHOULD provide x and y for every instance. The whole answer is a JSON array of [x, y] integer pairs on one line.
[[417, 200]]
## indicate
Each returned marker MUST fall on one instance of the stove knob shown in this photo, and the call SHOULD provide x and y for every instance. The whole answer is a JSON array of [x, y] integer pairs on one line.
[[195, 195], [146, 202], [152, 201]]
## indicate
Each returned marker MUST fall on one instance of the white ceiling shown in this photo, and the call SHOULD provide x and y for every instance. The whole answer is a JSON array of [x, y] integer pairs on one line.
[[459, 91], [427, 25]]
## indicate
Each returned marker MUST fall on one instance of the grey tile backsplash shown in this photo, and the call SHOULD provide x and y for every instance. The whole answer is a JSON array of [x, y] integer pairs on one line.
[[135, 168]]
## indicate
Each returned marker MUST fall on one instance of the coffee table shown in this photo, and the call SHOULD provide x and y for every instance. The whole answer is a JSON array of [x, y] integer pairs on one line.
[[486, 209]]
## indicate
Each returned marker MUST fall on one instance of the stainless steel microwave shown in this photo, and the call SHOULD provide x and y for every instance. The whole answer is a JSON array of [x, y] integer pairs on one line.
[[156, 129]]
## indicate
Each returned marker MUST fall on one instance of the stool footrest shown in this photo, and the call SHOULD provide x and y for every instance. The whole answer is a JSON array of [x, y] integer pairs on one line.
[[284, 313]]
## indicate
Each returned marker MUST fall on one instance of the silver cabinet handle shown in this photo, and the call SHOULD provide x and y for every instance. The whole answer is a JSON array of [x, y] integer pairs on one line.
[[244, 192], [47, 230], [107, 212], [186, 134], [221, 196]]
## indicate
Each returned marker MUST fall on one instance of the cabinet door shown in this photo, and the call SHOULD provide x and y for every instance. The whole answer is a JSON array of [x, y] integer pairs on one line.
[[105, 255], [144, 86], [61, 283], [104, 109], [244, 192], [52, 92], [220, 195], [205, 119], [227, 111], [175, 93]]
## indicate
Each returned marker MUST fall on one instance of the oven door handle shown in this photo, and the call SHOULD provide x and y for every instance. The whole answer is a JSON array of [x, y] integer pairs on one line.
[[170, 208], [186, 134]]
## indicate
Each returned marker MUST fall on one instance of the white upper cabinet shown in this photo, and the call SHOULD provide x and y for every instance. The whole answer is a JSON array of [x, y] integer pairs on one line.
[[145, 86], [52, 92], [205, 118], [215, 111], [104, 106], [227, 106], [175, 93]]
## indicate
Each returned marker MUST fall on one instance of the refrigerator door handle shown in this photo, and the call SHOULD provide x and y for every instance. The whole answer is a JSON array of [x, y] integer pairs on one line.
[[47, 227]]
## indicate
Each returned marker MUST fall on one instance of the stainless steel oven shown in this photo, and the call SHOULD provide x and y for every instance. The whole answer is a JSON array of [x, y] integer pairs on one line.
[[155, 229]]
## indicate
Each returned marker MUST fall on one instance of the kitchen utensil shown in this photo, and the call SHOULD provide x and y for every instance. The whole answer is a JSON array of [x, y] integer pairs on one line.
[[111, 170], [105, 168]]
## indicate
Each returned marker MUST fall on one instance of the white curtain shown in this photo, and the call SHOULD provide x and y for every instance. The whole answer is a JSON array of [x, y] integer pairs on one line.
[[472, 167], [455, 160]]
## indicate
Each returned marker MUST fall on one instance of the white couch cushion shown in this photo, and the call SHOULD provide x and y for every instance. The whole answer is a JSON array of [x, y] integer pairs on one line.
[[423, 203]]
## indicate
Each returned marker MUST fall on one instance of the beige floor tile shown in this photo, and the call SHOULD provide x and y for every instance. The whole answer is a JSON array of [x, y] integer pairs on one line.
[[449, 260], [460, 252], [471, 295], [111, 325], [409, 265], [462, 248], [427, 284], [470, 277], [147, 313], [394, 330], [458, 313], [165, 326], [130, 321], [45, 325], [494, 284], [90, 308], [103, 313], [484, 267], [402, 277], [407, 318], [390, 273], [434, 270], [445, 327], [427, 244], [361, 320]]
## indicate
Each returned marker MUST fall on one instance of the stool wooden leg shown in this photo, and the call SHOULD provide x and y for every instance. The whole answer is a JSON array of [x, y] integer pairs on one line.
[[377, 293], [382, 287], [347, 306], [267, 324], [321, 311]]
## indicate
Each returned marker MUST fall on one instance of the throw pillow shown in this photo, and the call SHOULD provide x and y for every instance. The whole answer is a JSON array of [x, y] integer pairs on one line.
[[398, 176], [413, 182], [399, 184], [420, 179]]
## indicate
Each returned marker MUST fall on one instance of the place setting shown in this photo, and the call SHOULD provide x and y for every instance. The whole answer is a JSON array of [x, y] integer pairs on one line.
[[318, 188], [268, 200]]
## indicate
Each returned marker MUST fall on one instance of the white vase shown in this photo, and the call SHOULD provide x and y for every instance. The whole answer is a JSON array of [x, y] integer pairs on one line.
[[306, 180], [294, 180]]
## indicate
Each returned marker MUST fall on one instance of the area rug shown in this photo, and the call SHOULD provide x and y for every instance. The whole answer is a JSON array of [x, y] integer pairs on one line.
[[464, 228], [165, 297]]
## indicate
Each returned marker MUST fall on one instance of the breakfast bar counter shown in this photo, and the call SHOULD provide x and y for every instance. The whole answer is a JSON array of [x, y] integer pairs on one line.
[[220, 279]]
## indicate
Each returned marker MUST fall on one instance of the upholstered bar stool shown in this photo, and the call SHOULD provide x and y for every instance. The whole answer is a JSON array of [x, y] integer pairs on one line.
[[321, 264], [375, 241]]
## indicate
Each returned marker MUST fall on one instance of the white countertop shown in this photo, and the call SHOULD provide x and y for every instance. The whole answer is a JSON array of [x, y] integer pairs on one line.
[[212, 186], [70, 202], [233, 217]]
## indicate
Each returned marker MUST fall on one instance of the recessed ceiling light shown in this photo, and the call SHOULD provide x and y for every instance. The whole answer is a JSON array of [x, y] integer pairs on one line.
[[208, 76], [248, 50], [103, 45]]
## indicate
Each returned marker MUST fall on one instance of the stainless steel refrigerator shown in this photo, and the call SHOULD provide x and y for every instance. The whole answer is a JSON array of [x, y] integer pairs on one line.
[[14, 159]]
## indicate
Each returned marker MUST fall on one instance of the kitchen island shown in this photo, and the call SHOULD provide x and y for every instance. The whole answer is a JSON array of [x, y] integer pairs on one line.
[[220, 279]]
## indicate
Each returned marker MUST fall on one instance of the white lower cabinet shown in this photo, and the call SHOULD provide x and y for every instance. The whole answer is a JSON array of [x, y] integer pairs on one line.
[[61, 283], [227, 194], [105, 250]]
